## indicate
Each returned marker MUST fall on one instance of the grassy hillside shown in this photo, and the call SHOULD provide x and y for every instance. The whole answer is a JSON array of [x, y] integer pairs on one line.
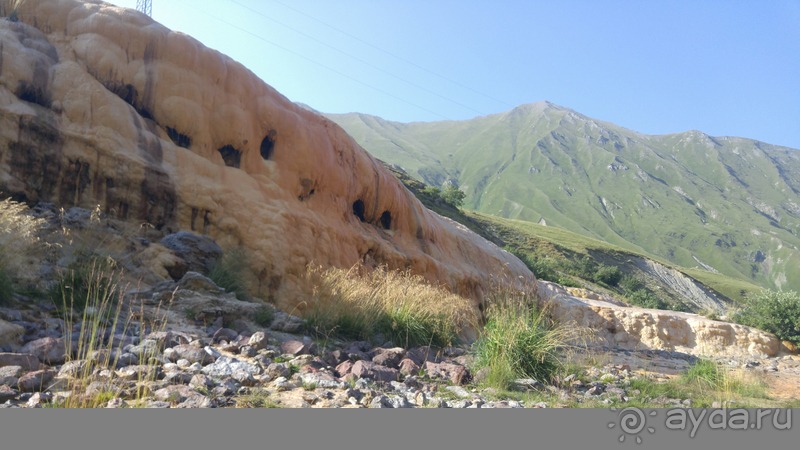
[[727, 205], [553, 242], [574, 258]]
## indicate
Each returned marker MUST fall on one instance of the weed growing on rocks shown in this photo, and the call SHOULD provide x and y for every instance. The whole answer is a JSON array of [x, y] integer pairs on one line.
[[96, 352], [19, 244], [519, 340], [264, 317], [229, 272]]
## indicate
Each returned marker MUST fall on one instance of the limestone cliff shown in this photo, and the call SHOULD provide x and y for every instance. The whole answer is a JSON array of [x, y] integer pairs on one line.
[[102, 105]]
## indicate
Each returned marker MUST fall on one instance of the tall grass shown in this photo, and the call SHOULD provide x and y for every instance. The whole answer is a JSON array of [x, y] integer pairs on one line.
[[105, 313], [229, 272], [19, 243], [359, 304], [519, 340]]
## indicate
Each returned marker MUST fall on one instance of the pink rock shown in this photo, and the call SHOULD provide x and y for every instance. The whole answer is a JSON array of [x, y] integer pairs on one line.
[[344, 368], [389, 357], [408, 367], [26, 361], [49, 350], [368, 369], [298, 348], [459, 375], [36, 381]]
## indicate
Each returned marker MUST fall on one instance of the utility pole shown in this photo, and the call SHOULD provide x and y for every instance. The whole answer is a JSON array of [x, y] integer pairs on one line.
[[145, 6]]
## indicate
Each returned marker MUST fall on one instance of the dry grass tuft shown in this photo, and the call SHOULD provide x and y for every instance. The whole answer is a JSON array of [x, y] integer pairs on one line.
[[360, 304]]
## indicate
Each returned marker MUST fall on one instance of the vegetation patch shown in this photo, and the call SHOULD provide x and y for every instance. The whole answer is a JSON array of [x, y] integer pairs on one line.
[[359, 304], [229, 272], [519, 340], [775, 312]]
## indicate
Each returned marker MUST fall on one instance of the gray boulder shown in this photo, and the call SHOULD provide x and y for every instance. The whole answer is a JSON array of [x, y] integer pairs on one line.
[[199, 252]]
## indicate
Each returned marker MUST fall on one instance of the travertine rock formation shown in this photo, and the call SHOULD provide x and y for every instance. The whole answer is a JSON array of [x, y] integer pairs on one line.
[[616, 324], [102, 105]]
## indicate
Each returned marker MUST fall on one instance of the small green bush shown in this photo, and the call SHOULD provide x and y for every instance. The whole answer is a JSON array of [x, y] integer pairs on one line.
[[775, 312], [568, 282], [610, 275], [454, 196], [433, 192], [630, 284], [586, 267], [646, 299]]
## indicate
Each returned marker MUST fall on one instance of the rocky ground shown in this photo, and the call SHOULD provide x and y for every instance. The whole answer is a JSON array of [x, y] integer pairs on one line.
[[191, 344], [237, 363]]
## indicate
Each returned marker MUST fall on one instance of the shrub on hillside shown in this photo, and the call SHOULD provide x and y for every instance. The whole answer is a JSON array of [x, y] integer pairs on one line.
[[630, 284], [609, 275], [646, 299], [774, 312], [454, 196], [583, 268], [433, 192]]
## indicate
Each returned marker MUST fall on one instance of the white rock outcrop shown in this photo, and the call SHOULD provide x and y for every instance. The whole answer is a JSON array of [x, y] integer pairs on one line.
[[615, 324]]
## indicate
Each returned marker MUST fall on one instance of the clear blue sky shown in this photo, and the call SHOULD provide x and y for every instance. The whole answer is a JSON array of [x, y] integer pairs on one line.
[[727, 68]]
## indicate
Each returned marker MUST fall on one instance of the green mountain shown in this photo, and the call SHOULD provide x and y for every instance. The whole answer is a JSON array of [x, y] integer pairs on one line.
[[722, 204]]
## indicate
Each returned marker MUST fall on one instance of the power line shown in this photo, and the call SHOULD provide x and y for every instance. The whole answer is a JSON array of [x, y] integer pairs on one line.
[[358, 59], [145, 6], [311, 60], [392, 54]]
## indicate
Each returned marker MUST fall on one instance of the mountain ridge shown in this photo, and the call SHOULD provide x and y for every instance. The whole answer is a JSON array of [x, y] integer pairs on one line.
[[670, 195]]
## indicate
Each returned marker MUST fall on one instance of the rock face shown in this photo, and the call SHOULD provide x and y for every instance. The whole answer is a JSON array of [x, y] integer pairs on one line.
[[10, 334], [102, 105], [617, 325]]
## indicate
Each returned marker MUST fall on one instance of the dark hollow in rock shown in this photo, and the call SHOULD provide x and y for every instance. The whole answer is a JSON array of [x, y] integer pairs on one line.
[[34, 94], [231, 156], [386, 220], [359, 209], [181, 140], [268, 146]]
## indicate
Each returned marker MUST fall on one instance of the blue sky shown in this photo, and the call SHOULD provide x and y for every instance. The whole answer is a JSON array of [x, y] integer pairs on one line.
[[727, 68]]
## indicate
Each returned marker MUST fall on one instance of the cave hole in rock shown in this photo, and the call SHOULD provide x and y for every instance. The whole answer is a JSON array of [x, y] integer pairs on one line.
[[268, 146], [358, 210], [181, 140], [231, 156], [386, 220]]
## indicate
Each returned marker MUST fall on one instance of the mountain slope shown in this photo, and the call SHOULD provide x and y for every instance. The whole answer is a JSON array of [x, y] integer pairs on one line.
[[721, 204]]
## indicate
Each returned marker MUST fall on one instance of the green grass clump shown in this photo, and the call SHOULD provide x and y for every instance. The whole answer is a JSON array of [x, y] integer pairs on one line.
[[356, 305], [86, 273], [518, 340], [609, 275], [229, 272], [775, 312], [705, 372], [264, 317]]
